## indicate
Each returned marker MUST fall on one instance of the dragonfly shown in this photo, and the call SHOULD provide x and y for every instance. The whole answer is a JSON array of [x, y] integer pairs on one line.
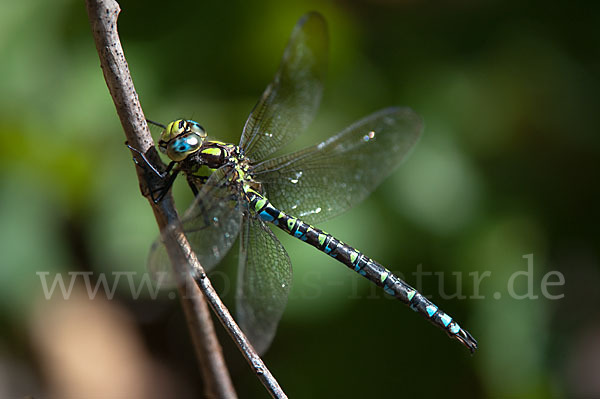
[[240, 190]]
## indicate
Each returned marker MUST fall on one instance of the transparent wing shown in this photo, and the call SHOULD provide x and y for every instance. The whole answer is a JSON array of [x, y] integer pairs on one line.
[[291, 100], [211, 225], [321, 181], [264, 280]]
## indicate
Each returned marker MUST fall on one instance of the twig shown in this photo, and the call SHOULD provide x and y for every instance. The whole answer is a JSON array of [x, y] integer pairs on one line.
[[103, 16], [103, 19]]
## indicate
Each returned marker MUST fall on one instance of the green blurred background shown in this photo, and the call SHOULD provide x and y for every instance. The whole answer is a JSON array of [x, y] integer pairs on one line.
[[507, 167]]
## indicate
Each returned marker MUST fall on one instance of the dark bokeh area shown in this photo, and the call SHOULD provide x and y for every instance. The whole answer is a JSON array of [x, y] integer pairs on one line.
[[493, 215]]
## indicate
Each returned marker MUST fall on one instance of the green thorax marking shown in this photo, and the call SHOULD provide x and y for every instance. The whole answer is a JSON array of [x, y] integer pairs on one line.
[[203, 171], [214, 151]]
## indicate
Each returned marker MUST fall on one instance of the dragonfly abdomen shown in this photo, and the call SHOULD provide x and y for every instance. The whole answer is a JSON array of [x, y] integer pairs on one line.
[[361, 264]]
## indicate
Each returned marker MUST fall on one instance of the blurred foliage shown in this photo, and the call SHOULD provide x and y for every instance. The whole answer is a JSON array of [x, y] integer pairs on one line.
[[507, 167]]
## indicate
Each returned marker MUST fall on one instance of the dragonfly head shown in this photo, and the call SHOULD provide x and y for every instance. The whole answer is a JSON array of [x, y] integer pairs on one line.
[[181, 138]]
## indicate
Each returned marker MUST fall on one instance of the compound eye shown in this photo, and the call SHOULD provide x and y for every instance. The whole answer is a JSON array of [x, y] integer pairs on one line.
[[181, 147], [195, 127], [172, 130]]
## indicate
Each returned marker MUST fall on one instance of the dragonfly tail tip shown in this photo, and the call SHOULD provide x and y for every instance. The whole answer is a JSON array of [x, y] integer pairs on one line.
[[467, 340]]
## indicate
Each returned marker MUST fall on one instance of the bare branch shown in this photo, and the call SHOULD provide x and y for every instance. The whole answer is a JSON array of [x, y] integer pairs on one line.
[[103, 16]]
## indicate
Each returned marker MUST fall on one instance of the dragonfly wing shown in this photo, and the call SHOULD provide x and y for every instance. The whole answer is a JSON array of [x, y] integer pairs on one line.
[[264, 280], [291, 100], [324, 180], [211, 224]]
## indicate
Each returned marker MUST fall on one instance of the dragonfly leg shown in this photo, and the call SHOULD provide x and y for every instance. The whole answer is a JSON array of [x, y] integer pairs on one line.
[[166, 187], [156, 123], [168, 176], [192, 183], [147, 164]]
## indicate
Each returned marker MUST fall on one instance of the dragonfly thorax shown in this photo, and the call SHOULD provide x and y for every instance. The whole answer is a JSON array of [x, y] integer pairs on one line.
[[214, 154]]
